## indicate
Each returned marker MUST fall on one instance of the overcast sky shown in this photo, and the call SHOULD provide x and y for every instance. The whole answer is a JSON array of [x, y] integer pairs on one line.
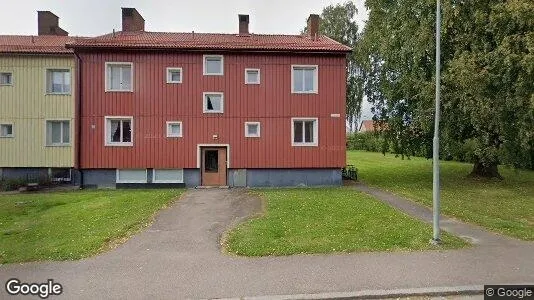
[[96, 17]]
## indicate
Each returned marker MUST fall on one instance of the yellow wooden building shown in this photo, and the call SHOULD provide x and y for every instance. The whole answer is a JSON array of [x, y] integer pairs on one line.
[[37, 96]]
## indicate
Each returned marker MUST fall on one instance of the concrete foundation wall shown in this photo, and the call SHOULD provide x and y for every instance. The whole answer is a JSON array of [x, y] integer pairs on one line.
[[34, 174], [106, 178], [284, 177]]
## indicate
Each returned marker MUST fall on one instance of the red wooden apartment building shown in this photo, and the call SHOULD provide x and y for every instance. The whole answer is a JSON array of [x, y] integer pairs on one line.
[[245, 109]]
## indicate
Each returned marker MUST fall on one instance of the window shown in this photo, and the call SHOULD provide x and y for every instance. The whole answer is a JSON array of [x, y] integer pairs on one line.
[[6, 130], [252, 76], [57, 81], [168, 176], [304, 132], [131, 176], [174, 129], [211, 161], [174, 75], [6, 78], [57, 133], [119, 77], [213, 65], [119, 131], [252, 129], [60, 174], [304, 79], [213, 102]]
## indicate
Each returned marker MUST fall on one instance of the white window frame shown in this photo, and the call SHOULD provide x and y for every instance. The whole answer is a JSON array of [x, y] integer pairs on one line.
[[315, 80], [107, 137], [106, 89], [167, 181], [315, 143], [250, 135], [48, 89], [57, 144], [251, 82], [117, 180], [204, 71], [169, 132], [7, 84], [12, 135], [169, 76], [205, 103]]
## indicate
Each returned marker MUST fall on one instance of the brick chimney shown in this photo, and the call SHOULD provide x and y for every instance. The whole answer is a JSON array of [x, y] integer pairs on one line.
[[243, 25], [48, 24], [313, 26], [132, 20]]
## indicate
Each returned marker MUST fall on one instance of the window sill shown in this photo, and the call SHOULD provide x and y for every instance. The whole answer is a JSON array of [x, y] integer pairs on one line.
[[252, 83], [118, 91], [213, 112], [131, 181], [311, 92], [119, 145], [167, 181], [213, 74], [58, 145], [57, 94], [7, 136], [174, 136], [174, 82], [304, 144], [6, 84], [252, 136]]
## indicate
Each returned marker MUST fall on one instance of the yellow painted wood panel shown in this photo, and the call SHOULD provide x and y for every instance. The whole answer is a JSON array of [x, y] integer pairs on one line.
[[27, 105]]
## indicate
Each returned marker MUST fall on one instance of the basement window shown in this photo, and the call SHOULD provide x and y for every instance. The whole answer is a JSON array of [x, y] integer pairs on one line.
[[252, 76], [119, 77], [213, 65], [304, 79], [6, 130], [119, 131], [304, 132], [213, 102], [131, 176], [58, 133], [174, 129], [6, 78], [168, 176], [174, 75], [58, 81], [252, 129]]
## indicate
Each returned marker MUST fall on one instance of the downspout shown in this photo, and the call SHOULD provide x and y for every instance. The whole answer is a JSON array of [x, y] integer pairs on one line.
[[78, 116]]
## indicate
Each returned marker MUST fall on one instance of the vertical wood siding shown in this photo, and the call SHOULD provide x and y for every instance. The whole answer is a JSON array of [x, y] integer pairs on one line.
[[26, 105], [153, 102]]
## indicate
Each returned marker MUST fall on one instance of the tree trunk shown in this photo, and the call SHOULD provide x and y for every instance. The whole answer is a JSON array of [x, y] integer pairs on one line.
[[485, 170]]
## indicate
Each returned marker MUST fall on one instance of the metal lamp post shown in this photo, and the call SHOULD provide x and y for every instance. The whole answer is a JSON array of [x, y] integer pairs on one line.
[[435, 155]]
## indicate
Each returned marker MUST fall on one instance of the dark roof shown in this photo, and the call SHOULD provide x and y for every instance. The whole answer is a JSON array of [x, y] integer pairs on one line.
[[40, 44], [210, 41]]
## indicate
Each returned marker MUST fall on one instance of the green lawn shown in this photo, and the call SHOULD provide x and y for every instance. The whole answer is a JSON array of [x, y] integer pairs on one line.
[[73, 225], [329, 220], [505, 206]]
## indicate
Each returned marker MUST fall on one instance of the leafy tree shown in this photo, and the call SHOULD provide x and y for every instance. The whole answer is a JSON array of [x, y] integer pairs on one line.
[[337, 22], [488, 77]]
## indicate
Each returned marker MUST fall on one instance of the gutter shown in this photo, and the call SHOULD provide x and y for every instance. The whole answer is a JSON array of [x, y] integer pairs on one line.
[[78, 116]]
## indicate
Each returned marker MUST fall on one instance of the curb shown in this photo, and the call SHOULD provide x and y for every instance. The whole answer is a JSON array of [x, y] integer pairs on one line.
[[379, 294]]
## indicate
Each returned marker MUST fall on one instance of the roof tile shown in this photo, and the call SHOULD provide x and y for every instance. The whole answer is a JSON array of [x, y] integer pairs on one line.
[[210, 41], [48, 44]]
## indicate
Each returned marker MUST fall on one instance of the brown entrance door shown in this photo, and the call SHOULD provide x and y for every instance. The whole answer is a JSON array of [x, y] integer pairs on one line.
[[213, 166]]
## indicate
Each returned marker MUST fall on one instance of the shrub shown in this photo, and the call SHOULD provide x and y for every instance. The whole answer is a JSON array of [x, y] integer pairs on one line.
[[368, 141]]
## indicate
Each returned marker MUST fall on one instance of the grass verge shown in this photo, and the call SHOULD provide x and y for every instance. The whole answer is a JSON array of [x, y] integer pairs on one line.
[[73, 225], [329, 220], [505, 206]]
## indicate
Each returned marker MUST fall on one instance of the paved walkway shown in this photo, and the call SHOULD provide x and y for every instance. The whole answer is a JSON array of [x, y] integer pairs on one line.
[[474, 234], [179, 257]]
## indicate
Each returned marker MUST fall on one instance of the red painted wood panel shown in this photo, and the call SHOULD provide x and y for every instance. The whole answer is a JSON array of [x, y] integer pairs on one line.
[[154, 102]]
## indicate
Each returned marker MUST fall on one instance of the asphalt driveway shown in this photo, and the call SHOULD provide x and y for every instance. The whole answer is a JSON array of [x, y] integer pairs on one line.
[[179, 256]]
